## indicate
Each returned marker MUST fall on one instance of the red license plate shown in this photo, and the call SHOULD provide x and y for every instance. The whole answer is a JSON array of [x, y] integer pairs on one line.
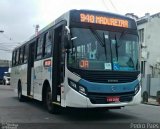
[[112, 99]]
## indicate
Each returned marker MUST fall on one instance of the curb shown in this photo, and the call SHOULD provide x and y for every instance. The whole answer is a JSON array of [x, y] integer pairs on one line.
[[151, 103]]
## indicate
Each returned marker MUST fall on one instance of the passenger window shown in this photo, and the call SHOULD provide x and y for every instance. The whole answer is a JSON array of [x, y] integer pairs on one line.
[[21, 56], [17, 57], [39, 48], [13, 58], [25, 54], [48, 44]]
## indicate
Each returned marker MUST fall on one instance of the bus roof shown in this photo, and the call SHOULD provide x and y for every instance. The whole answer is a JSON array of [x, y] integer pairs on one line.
[[101, 12], [74, 13], [101, 18]]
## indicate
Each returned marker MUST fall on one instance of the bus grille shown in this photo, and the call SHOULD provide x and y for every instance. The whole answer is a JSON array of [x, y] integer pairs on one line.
[[100, 98], [106, 76]]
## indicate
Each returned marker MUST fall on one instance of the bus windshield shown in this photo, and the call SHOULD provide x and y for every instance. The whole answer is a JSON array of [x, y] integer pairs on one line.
[[103, 50]]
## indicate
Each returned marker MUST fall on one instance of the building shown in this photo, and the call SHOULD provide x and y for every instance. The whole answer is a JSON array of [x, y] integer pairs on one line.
[[5, 63], [149, 37]]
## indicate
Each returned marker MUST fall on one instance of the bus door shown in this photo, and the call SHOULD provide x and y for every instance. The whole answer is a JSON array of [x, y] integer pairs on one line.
[[58, 63], [30, 71]]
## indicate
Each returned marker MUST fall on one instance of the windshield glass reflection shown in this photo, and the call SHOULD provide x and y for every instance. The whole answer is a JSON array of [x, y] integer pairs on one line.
[[103, 50]]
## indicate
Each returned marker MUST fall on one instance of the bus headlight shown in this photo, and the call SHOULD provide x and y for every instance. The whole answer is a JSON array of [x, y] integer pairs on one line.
[[82, 90], [77, 87], [72, 84], [136, 89]]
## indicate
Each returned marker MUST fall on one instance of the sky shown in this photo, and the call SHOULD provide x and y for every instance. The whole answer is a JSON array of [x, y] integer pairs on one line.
[[18, 18]]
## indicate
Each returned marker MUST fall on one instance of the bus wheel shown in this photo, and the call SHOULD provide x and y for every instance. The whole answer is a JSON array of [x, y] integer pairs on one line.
[[52, 108], [20, 96]]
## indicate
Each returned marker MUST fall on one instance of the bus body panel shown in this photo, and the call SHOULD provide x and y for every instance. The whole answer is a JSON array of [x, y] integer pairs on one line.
[[81, 101], [65, 88], [47, 72], [41, 74], [24, 79], [19, 73], [77, 101], [38, 82]]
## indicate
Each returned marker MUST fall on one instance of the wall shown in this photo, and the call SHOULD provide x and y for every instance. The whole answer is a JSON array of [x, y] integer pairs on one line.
[[151, 80]]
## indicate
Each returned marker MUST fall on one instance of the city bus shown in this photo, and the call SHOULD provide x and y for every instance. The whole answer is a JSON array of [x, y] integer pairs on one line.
[[83, 59]]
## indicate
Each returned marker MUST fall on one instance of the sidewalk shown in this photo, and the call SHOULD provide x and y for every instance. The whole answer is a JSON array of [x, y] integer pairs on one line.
[[152, 101]]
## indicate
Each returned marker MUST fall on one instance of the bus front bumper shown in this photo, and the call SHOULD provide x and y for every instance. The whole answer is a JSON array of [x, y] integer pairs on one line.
[[77, 100]]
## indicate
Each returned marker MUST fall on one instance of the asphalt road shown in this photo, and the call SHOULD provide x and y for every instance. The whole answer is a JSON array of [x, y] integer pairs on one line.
[[32, 113]]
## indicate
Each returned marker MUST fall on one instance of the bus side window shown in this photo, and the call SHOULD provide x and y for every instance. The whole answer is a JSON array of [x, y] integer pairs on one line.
[[20, 55], [47, 44], [39, 48], [25, 54], [17, 57], [13, 58], [23, 51]]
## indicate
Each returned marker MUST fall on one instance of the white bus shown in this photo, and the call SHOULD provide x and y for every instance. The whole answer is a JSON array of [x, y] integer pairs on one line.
[[84, 59]]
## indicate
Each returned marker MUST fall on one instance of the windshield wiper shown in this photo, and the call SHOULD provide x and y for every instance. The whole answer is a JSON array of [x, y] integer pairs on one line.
[[120, 37], [105, 51], [119, 42], [102, 42], [97, 36], [116, 47]]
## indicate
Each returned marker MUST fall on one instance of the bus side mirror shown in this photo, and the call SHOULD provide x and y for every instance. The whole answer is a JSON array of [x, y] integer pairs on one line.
[[67, 43], [67, 40]]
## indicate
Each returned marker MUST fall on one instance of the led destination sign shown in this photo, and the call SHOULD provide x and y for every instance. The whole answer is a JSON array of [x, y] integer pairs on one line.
[[103, 20]]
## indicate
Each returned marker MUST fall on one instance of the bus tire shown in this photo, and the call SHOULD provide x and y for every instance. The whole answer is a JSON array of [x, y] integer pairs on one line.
[[52, 108], [20, 96], [145, 97]]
